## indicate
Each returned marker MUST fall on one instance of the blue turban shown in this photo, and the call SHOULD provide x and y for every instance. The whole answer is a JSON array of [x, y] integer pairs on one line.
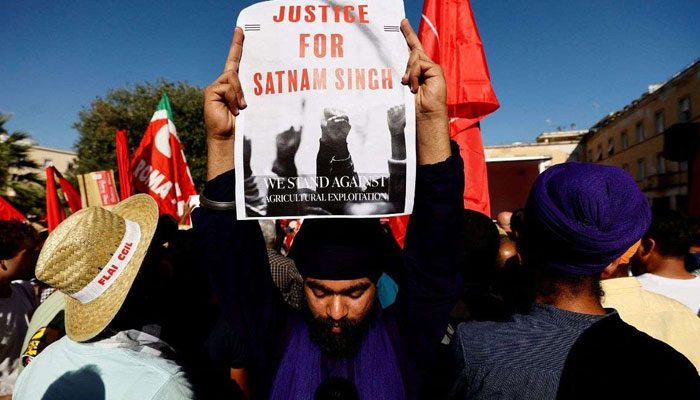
[[581, 217]]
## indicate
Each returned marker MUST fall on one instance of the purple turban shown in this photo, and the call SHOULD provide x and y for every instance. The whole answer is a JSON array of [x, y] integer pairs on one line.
[[581, 217]]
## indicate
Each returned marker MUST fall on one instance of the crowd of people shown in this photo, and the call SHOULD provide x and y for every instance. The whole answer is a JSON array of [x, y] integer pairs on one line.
[[586, 292]]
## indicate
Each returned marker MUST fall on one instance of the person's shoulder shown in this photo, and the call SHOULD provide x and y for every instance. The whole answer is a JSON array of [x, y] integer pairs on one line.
[[482, 329], [25, 289], [634, 356], [153, 362], [175, 388], [48, 356], [661, 303], [655, 351], [625, 343], [481, 338]]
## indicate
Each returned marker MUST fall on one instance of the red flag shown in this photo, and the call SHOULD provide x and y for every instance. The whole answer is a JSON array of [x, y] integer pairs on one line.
[[159, 167], [55, 213], [72, 196], [398, 227], [123, 165], [476, 185], [8, 212], [449, 35], [450, 38], [54, 209]]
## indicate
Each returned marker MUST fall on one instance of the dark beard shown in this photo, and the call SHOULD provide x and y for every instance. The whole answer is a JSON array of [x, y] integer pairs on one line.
[[345, 344]]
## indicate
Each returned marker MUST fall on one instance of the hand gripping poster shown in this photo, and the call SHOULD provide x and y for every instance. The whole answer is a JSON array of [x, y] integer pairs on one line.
[[329, 130]]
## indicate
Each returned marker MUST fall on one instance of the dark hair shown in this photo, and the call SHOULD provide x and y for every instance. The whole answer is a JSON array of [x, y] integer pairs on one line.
[[15, 236], [517, 220], [670, 230], [694, 226], [481, 244], [553, 283]]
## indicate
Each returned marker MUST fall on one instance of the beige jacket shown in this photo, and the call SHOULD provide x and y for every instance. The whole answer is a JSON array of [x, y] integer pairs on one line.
[[656, 315]]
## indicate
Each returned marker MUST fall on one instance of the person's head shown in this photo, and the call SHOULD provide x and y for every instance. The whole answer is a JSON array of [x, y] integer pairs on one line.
[[269, 231], [579, 219], [506, 251], [503, 220], [665, 244], [481, 243], [19, 248], [517, 222], [692, 261], [694, 226], [340, 261], [151, 291], [94, 258]]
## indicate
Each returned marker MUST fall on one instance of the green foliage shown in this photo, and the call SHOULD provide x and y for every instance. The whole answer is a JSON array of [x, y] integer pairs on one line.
[[21, 187], [131, 108]]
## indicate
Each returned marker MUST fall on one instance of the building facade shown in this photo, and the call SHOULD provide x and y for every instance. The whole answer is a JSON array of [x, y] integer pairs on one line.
[[512, 168], [633, 138], [44, 156]]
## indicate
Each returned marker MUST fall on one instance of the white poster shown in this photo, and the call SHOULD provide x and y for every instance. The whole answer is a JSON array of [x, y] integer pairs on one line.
[[329, 129]]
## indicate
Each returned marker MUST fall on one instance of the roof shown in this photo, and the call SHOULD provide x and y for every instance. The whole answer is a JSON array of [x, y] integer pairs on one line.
[[67, 152], [518, 158], [561, 136], [608, 119]]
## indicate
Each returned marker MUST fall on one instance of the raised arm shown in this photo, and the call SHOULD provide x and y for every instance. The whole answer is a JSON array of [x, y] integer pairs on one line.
[[432, 252], [396, 120], [234, 251]]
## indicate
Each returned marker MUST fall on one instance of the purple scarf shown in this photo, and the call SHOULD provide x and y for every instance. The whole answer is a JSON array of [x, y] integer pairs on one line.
[[376, 371]]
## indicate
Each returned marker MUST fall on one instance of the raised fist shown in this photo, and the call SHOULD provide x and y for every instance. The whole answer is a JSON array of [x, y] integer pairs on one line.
[[396, 119], [287, 146], [335, 127]]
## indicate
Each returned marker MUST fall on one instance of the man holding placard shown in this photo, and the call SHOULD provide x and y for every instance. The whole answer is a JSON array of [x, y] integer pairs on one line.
[[341, 337]]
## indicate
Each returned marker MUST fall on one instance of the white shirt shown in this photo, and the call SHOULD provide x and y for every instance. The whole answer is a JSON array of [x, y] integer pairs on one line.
[[686, 291], [126, 366], [15, 312]]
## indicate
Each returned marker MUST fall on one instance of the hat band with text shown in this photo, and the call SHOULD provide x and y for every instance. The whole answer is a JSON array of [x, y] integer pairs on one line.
[[114, 267]]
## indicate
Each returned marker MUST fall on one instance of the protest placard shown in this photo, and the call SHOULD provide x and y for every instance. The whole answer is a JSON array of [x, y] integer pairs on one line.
[[329, 129], [98, 189]]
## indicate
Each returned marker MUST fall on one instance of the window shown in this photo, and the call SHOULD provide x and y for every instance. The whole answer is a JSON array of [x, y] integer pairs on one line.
[[599, 153], [623, 140], [684, 109], [660, 163], [641, 169], [611, 146], [659, 122], [639, 129]]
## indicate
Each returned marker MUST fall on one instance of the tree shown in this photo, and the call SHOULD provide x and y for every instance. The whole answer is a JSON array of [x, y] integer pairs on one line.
[[22, 187], [131, 108]]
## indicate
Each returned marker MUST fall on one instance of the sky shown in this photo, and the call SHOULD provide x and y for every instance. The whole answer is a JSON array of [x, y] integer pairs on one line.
[[552, 63]]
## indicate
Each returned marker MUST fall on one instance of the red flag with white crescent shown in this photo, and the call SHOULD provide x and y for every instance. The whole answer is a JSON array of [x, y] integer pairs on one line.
[[159, 167]]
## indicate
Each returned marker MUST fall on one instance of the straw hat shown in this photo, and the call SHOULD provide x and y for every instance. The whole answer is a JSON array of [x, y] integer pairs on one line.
[[93, 258]]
